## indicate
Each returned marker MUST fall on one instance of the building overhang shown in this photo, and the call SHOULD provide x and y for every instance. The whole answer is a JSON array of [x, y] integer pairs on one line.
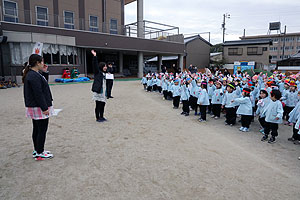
[[129, 1], [87, 39]]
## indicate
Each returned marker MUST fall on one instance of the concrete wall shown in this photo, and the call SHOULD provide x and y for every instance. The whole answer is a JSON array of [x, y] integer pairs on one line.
[[198, 54], [93, 7], [259, 59]]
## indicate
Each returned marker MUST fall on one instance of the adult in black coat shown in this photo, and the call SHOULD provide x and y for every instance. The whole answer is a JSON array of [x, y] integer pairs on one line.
[[98, 87]]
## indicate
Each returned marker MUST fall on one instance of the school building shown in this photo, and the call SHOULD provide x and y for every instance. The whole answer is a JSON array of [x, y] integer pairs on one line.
[[70, 29]]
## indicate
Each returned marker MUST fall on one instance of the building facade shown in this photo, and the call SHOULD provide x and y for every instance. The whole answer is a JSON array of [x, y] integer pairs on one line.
[[69, 30], [256, 50], [283, 47], [197, 52]]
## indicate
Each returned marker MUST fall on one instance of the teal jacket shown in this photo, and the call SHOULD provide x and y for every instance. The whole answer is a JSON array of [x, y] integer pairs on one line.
[[203, 98], [217, 97], [261, 105], [185, 93]]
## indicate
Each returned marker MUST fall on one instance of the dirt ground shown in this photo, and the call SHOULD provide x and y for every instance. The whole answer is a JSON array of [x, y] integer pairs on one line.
[[146, 150]]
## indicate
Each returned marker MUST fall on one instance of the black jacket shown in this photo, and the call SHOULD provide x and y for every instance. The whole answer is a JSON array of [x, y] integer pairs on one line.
[[36, 91], [98, 77]]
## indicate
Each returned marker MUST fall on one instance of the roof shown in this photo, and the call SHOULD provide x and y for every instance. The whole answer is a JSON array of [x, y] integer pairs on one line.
[[293, 57], [154, 59], [247, 42], [192, 38], [270, 36], [215, 54]]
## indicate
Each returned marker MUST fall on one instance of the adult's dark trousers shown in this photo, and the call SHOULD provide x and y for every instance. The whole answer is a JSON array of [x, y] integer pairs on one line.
[[296, 136], [40, 128], [216, 109], [109, 85], [288, 110], [193, 102], [230, 116], [176, 101], [262, 121], [246, 120], [203, 111], [186, 106], [99, 110], [271, 127]]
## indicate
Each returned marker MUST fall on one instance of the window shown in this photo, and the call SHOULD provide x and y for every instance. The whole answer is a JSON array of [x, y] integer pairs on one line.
[[286, 56], [275, 40], [298, 47], [274, 57], [10, 11], [69, 20], [298, 39], [94, 23], [275, 49], [235, 51], [47, 58], [56, 58], [113, 26], [265, 49], [41, 16], [287, 39], [286, 48], [254, 50]]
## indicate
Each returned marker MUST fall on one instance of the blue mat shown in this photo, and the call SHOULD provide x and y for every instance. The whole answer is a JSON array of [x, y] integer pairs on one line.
[[63, 80]]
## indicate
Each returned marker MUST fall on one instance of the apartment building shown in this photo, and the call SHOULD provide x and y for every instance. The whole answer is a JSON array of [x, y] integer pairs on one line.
[[70, 29], [283, 47]]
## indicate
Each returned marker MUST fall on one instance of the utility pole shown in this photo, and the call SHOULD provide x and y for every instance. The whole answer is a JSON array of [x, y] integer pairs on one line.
[[283, 46], [224, 23]]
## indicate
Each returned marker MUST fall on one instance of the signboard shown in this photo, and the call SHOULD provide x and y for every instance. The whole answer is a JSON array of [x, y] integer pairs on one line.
[[242, 66], [274, 26]]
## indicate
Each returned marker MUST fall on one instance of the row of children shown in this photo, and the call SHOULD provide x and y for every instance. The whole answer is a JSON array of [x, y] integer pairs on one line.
[[270, 98]]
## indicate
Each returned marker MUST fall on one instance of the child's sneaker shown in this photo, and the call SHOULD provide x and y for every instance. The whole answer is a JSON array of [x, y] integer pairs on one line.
[[202, 120], [34, 153], [241, 129], [264, 138], [262, 130], [212, 116], [272, 140], [245, 129], [183, 113], [291, 139], [298, 158], [286, 123], [216, 117], [43, 156], [186, 114], [290, 124], [196, 113]]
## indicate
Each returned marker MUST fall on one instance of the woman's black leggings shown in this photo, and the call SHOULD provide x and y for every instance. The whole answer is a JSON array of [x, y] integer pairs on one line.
[[40, 128], [99, 110]]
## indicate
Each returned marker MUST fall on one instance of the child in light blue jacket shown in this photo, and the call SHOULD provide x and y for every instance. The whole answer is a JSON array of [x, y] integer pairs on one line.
[[176, 91], [203, 101], [245, 109], [149, 84], [294, 118], [193, 95], [291, 100], [273, 116], [229, 105], [261, 106], [217, 99], [184, 96], [144, 82], [210, 91]]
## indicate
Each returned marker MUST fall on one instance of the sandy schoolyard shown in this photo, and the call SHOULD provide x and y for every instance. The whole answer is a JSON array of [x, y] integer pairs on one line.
[[146, 150]]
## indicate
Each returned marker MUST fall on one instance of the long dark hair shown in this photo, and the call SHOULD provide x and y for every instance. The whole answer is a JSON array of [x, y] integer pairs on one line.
[[101, 66], [33, 60]]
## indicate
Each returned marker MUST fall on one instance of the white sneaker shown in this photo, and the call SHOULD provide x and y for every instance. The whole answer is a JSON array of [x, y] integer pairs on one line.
[[43, 156], [242, 128], [34, 153], [213, 116], [245, 129]]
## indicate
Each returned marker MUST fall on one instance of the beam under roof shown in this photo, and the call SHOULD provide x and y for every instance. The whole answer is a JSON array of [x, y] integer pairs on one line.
[[129, 1]]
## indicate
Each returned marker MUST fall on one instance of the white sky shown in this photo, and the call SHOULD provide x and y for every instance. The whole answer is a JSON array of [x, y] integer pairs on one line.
[[198, 16]]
